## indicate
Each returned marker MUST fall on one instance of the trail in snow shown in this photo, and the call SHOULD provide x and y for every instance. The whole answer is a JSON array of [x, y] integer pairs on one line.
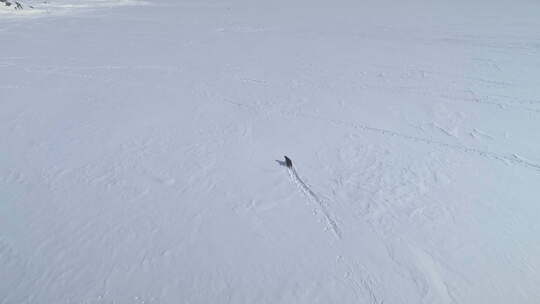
[[359, 281], [315, 199]]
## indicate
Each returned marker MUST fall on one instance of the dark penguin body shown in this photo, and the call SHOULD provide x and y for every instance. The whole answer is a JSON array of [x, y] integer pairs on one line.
[[288, 162]]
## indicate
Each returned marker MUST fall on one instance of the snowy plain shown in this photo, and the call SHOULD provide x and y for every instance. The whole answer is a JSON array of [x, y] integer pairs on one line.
[[139, 149]]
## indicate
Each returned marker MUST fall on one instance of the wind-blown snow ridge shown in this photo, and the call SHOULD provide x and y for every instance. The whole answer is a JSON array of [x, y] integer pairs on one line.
[[507, 159], [520, 161]]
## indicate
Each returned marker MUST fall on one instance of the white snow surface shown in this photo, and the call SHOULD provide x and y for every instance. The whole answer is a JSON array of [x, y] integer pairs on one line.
[[41, 8], [139, 147]]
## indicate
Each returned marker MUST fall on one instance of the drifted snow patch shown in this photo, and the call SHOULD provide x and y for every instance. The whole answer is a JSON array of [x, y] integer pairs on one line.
[[21, 8]]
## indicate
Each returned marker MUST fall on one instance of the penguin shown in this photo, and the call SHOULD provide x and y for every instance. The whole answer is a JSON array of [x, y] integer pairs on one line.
[[288, 162]]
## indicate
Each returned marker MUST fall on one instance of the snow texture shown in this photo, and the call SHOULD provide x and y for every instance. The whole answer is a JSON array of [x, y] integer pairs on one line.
[[139, 143]]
